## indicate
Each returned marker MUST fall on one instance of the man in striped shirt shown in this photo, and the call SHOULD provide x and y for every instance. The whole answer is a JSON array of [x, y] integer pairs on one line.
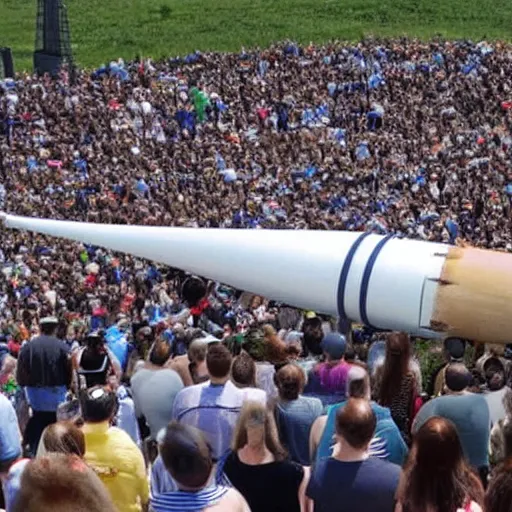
[[186, 456], [213, 406]]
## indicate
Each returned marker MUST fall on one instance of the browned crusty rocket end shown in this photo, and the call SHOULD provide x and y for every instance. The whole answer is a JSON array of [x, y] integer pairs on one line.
[[474, 296]]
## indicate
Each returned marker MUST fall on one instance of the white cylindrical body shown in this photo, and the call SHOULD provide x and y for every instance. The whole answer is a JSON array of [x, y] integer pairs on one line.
[[300, 268]]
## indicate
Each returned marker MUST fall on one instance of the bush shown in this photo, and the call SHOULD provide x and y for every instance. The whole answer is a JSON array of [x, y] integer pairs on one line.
[[165, 11], [430, 357]]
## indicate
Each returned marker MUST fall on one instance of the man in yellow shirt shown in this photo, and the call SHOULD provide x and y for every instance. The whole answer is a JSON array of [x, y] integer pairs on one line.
[[111, 452]]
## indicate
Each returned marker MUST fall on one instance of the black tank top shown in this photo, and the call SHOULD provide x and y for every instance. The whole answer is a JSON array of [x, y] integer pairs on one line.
[[94, 367], [280, 481]]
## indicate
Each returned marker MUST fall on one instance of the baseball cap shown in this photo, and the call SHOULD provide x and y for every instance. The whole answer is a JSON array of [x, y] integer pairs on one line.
[[334, 344]]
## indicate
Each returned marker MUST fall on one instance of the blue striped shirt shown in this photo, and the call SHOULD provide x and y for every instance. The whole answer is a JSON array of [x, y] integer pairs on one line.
[[213, 409], [184, 501]]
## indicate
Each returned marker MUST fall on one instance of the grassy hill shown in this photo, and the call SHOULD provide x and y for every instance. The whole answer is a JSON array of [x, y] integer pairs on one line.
[[106, 29]]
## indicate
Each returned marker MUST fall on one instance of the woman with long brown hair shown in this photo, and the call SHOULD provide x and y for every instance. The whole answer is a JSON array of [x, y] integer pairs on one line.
[[499, 493], [395, 384], [437, 477], [257, 466]]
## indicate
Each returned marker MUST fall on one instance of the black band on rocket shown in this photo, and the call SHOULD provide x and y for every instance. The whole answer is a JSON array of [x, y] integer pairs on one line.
[[342, 283]]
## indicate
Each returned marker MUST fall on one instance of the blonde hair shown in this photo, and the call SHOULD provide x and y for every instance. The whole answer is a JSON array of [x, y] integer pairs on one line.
[[256, 411]]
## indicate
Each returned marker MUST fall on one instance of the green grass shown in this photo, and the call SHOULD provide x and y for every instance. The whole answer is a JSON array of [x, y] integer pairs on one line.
[[106, 29]]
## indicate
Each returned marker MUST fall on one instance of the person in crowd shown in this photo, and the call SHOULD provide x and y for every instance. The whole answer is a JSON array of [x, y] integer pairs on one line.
[[327, 380], [162, 482], [8, 385], [111, 452], [254, 343], [469, 413], [353, 358], [395, 384], [11, 463], [496, 388], [295, 413], [499, 493], [437, 476], [501, 434], [58, 482], [197, 357], [187, 457], [191, 367], [44, 369], [10, 437], [277, 351], [62, 437], [495, 354], [350, 479], [155, 387], [243, 375], [312, 336], [258, 461], [214, 406], [290, 336], [376, 354], [387, 442], [160, 479], [454, 349], [95, 364], [126, 417]]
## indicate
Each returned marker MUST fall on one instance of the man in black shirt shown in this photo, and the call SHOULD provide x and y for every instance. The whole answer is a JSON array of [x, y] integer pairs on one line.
[[45, 371]]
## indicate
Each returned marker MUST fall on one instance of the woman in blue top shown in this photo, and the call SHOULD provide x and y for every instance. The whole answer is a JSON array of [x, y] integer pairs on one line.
[[295, 413]]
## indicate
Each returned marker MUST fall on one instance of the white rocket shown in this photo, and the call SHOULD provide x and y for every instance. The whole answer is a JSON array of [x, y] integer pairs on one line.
[[424, 288]]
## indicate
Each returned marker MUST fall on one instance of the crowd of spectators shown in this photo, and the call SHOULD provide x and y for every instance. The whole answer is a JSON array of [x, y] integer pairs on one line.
[[126, 385], [150, 442]]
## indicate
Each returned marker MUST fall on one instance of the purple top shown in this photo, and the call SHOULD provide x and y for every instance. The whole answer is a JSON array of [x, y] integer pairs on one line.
[[328, 382]]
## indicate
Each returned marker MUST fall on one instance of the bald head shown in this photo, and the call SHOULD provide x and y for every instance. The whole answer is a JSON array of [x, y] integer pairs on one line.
[[356, 423], [358, 383]]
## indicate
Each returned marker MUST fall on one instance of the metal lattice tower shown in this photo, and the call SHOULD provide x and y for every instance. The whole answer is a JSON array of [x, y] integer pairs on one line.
[[53, 40]]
